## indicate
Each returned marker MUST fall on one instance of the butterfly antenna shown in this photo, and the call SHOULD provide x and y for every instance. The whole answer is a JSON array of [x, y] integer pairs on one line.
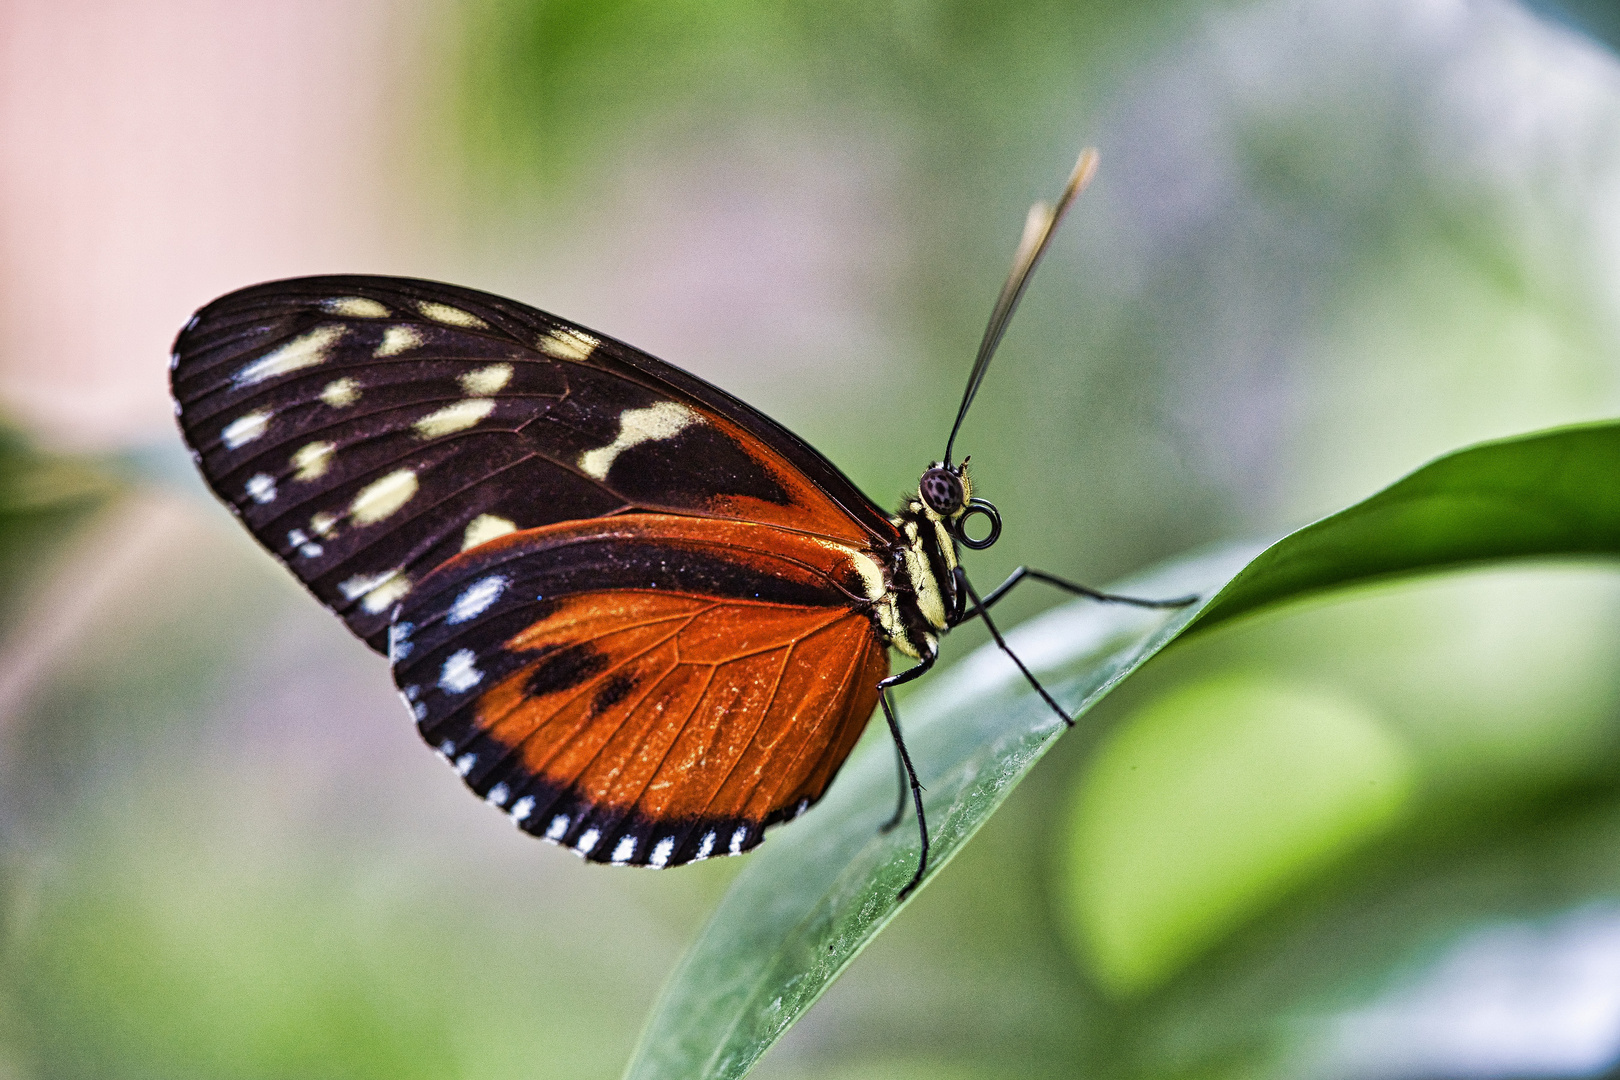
[[1038, 228]]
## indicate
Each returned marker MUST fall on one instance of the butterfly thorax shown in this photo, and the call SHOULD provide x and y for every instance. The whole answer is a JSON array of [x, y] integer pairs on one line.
[[924, 598]]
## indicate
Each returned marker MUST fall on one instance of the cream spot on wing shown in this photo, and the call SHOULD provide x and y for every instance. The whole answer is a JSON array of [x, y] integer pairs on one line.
[[663, 420], [476, 598], [450, 316], [380, 498], [484, 528], [341, 393], [261, 488], [304, 351], [559, 826], [452, 418], [382, 597], [624, 850], [870, 572], [458, 674], [396, 339], [355, 307], [661, 853], [312, 460], [567, 344], [522, 809], [364, 584], [484, 381], [323, 523], [244, 429]]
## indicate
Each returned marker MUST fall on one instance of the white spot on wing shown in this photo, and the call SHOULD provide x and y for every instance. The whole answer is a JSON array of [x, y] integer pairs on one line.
[[706, 847], [400, 645], [450, 316], [465, 763], [458, 674], [312, 460], [737, 839], [587, 841], [498, 795], [476, 598], [304, 351], [261, 488], [244, 429], [624, 850], [341, 393], [484, 528], [567, 344], [484, 381], [323, 523], [380, 498], [661, 853], [355, 307], [522, 809], [297, 540], [663, 420], [396, 339], [458, 416], [557, 828]]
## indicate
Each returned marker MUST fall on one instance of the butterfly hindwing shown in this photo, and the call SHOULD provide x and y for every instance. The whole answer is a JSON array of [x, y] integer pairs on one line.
[[645, 689], [369, 429]]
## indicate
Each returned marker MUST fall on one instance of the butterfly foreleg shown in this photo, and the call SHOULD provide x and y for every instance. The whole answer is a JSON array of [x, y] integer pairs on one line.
[[980, 609], [1077, 589]]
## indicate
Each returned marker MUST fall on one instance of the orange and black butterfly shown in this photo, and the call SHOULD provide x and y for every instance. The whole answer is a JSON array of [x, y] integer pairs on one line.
[[637, 615]]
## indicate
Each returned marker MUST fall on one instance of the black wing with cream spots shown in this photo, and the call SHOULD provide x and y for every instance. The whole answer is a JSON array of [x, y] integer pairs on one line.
[[367, 429]]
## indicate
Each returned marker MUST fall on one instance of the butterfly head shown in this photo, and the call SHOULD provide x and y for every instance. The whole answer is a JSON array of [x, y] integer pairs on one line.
[[945, 497]]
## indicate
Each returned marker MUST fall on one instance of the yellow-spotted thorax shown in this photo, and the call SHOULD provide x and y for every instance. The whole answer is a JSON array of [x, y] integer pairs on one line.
[[926, 594]]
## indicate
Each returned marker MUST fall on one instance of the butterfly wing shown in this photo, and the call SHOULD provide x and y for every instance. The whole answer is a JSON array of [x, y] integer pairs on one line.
[[368, 429], [645, 689]]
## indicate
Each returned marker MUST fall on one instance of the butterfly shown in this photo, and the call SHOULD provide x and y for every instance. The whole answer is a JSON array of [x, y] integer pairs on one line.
[[634, 613]]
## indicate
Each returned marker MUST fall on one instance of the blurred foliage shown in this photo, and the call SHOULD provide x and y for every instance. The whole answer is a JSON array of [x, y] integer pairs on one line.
[[1251, 790], [41, 499], [1327, 242]]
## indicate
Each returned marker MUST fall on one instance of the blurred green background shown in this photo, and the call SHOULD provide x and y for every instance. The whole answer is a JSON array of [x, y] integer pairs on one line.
[[1377, 837]]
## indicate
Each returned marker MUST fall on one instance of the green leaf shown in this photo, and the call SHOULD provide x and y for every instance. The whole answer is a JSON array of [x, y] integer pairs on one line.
[[824, 886]]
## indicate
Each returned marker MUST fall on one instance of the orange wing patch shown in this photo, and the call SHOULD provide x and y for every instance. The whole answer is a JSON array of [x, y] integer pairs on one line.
[[662, 728], [647, 689]]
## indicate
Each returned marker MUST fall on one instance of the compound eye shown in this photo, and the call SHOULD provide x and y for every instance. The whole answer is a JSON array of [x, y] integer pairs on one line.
[[942, 490]]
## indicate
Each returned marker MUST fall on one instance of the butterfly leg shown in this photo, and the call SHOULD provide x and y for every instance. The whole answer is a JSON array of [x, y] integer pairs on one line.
[[980, 609], [1024, 572], [900, 767], [908, 774]]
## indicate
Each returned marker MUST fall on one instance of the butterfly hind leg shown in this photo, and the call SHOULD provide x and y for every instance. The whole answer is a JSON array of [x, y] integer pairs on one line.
[[908, 773]]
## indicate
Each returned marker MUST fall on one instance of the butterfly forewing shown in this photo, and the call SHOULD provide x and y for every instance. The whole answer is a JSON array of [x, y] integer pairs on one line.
[[645, 689], [369, 429]]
